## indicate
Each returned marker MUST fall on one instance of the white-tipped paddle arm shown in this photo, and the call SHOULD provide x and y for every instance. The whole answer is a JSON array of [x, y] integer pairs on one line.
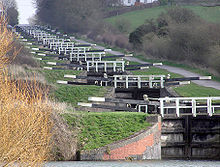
[[62, 82], [97, 99], [70, 76], [84, 104]]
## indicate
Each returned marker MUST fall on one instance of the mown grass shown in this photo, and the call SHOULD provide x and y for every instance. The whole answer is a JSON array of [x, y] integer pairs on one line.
[[191, 90], [183, 66], [76, 93], [71, 94], [53, 75], [137, 18], [194, 90], [155, 71], [100, 129]]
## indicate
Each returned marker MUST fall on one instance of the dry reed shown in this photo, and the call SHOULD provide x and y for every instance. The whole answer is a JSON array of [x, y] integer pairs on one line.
[[25, 125]]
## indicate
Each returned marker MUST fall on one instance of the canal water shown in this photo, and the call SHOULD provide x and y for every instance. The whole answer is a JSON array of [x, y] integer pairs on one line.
[[168, 163]]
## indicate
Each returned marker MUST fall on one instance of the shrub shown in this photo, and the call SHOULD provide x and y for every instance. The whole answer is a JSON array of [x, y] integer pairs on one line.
[[25, 126], [122, 42], [179, 35], [123, 25], [182, 15]]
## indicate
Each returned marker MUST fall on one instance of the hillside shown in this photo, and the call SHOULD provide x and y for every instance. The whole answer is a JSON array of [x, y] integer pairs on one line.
[[137, 18]]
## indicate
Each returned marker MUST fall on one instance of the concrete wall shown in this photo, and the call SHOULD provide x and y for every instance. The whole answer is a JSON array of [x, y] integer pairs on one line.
[[140, 146]]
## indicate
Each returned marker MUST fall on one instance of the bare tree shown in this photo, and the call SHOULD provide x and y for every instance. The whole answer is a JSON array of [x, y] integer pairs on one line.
[[71, 16], [8, 4]]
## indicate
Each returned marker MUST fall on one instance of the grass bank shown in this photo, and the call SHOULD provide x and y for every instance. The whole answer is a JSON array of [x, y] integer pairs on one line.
[[100, 129], [70, 94]]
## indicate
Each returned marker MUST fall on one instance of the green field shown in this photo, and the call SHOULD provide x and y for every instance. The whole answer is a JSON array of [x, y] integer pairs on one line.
[[100, 129], [137, 18]]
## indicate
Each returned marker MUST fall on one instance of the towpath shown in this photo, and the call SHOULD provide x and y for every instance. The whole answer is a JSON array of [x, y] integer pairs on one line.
[[183, 72]]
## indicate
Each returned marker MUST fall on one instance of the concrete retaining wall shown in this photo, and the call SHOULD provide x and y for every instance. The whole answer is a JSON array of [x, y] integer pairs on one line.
[[140, 146]]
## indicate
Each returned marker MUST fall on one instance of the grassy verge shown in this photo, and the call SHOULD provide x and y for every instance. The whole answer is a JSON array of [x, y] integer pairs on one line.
[[191, 90], [100, 129], [183, 66], [194, 90], [155, 71]]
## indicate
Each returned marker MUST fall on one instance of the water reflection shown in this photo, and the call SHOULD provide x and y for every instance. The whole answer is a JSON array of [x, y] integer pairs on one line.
[[177, 163]]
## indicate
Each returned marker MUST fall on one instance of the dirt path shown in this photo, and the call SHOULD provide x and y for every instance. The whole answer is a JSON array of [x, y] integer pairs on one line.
[[185, 73]]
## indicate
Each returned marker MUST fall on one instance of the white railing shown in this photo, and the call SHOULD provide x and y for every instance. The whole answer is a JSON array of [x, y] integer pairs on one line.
[[197, 105], [139, 81], [105, 66], [87, 56]]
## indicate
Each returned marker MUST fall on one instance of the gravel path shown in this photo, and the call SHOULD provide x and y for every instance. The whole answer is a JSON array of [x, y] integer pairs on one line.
[[183, 72]]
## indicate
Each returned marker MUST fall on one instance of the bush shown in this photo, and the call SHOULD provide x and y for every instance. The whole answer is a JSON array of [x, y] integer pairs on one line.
[[25, 126], [123, 25], [182, 15], [122, 42], [135, 38], [179, 35]]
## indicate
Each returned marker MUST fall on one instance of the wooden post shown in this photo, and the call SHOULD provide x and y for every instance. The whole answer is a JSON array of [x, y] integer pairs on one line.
[[114, 66], [209, 107], [139, 82], [194, 107], [115, 81], [127, 82], [123, 66], [162, 107], [177, 107], [105, 67], [88, 66], [96, 66], [150, 82], [161, 82]]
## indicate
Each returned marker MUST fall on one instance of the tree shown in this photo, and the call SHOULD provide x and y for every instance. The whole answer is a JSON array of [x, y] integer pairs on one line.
[[71, 16], [8, 4], [10, 8], [12, 16]]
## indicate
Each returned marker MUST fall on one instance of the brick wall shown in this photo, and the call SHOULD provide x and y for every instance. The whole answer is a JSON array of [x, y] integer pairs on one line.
[[143, 145]]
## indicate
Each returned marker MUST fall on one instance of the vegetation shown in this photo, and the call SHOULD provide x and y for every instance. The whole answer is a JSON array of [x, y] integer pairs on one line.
[[191, 90], [25, 125], [179, 35], [72, 16], [194, 90], [100, 129], [75, 94], [10, 9], [155, 71], [179, 65], [67, 93], [137, 18]]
